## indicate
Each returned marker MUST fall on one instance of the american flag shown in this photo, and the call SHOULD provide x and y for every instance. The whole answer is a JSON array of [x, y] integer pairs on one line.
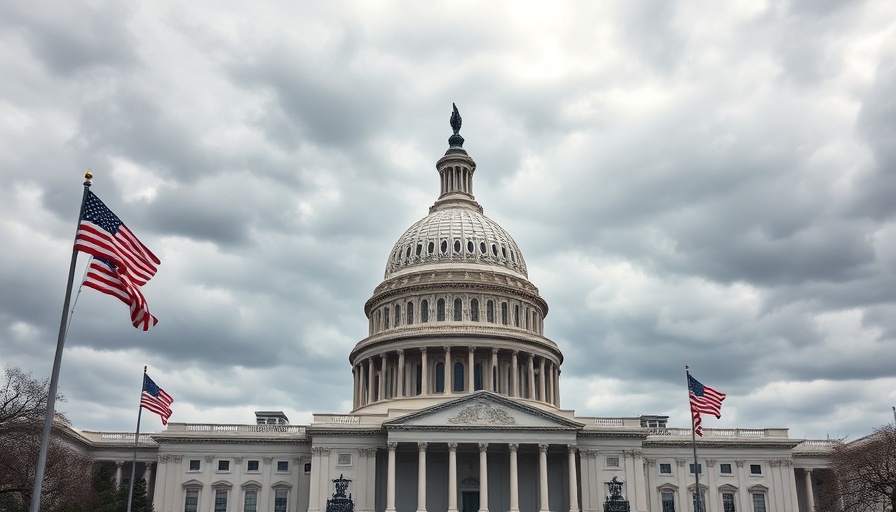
[[703, 399], [155, 399], [102, 235], [103, 275]]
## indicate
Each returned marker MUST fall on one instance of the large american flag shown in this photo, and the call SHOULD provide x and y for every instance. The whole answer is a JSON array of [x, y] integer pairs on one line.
[[103, 275], [102, 235], [155, 399], [703, 399]]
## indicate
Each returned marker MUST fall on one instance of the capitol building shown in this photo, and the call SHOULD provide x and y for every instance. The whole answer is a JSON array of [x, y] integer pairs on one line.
[[457, 407]]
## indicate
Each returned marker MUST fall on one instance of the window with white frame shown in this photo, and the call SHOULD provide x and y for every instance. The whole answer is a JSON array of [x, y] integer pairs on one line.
[[665, 468], [755, 469], [220, 500], [758, 502], [223, 466], [728, 502], [344, 459], [282, 466], [281, 498], [667, 500], [195, 465], [725, 468], [252, 466], [191, 499], [699, 468], [612, 462], [250, 500]]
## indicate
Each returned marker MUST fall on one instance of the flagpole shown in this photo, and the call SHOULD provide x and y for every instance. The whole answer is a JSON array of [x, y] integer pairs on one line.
[[698, 496], [57, 363], [136, 440]]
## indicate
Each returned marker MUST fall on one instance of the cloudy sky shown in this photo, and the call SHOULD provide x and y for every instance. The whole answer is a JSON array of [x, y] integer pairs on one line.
[[690, 182]]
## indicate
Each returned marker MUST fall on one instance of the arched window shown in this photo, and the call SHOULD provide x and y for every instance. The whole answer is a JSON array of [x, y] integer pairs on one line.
[[516, 315], [386, 316], [527, 319], [474, 310], [444, 247], [440, 377], [490, 311], [397, 315], [440, 310], [504, 313], [477, 377], [458, 376], [458, 310], [424, 311], [410, 313]]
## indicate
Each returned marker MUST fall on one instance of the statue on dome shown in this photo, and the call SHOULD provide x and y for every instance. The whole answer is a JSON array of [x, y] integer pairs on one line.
[[455, 120]]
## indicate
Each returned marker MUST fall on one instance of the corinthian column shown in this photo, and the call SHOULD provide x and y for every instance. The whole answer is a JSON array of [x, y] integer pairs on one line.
[[514, 375], [573, 481], [421, 477], [514, 479], [424, 373], [483, 477], [390, 479], [449, 372], [400, 378], [452, 477], [543, 477]]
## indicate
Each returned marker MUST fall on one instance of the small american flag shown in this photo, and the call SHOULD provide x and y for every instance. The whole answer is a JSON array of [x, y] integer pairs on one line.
[[156, 399], [103, 275], [102, 235], [703, 399]]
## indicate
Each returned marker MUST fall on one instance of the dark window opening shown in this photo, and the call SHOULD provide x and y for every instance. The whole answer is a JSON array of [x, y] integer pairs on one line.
[[477, 377], [440, 377], [458, 376], [424, 311], [440, 310], [474, 310], [458, 310]]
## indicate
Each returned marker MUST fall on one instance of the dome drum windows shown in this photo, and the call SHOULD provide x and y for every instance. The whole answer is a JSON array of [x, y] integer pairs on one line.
[[456, 246], [458, 310], [424, 311], [444, 246], [440, 310]]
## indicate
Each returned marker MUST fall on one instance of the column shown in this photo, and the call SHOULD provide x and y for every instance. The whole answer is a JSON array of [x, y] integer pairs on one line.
[[514, 479], [390, 478], [400, 377], [449, 372], [470, 367], [641, 482], [452, 477], [557, 386], [147, 476], [370, 381], [316, 473], [491, 371], [355, 388], [118, 465], [542, 388], [543, 477], [810, 493], [421, 477], [424, 372], [549, 394], [531, 394], [483, 477], [382, 390], [514, 375], [573, 480]]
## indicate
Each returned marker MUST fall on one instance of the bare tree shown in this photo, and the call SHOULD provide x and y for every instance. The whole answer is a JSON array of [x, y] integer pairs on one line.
[[66, 486], [864, 475]]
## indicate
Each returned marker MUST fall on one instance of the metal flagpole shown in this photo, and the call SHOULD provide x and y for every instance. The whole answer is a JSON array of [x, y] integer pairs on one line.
[[136, 440], [698, 497], [57, 362]]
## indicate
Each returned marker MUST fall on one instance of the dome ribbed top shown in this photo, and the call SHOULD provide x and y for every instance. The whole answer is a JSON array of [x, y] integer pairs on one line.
[[456, 235]]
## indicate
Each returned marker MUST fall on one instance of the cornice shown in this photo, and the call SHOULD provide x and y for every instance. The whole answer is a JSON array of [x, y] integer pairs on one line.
[[635, 434], [163, 439], [740, 443], [325, 431]]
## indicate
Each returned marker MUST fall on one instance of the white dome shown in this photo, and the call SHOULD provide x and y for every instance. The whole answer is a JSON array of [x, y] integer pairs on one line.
[[456, 235]]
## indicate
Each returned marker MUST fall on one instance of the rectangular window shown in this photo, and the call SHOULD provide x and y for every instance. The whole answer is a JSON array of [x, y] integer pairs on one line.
[[307, 468], [758, 502], [252, 466], [668, 501], [666, 469], [282, 466], [191, 501], [220, 500], [612, 462], [250, 501], [728, 502], [344, 459], [699, 468], [755, 469], [223, 465], [280, 499], [194, 465], [725, 469]]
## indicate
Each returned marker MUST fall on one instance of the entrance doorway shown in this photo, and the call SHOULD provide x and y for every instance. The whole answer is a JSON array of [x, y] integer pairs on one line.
[[470, 501]]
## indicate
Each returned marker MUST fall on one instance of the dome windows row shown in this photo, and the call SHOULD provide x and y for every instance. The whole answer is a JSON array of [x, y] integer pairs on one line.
[[411, 252], [442, 309]]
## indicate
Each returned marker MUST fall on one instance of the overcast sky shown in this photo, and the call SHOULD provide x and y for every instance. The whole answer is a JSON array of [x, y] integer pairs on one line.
[[690, 182]]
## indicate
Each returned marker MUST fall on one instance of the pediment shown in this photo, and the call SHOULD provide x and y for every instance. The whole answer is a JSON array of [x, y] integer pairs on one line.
[[483, 410]]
